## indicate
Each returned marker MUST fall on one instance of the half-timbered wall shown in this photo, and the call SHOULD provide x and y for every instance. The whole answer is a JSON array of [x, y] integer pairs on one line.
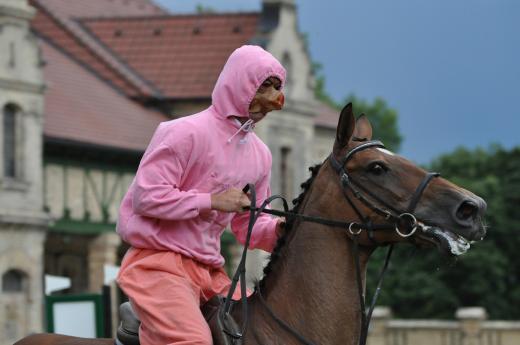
[[83, 201], [82, 197]]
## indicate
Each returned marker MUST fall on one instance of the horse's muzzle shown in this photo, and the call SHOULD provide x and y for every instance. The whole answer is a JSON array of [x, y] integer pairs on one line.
[[469, 214]]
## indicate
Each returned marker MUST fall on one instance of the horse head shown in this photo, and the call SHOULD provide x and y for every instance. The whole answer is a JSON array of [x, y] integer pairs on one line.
[[383, 188]]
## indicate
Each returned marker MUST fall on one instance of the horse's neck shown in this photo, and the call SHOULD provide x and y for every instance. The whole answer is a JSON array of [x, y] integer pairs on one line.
[[313, 288]]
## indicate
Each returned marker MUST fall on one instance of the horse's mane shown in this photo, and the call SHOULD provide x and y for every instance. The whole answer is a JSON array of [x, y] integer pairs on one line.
[[282, 241]]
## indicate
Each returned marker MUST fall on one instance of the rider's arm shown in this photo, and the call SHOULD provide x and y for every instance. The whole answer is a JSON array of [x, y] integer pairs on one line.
[[156, 185]]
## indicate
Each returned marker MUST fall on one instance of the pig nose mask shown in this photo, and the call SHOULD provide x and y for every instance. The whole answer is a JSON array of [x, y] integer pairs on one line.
[[268, 97]]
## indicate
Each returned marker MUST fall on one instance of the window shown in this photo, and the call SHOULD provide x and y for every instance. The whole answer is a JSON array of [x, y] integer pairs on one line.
[[12, 55], [287, 64], [9, 144], [286, 174], [13, 281]]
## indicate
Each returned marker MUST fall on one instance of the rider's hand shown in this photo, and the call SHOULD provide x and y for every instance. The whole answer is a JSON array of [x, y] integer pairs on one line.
[[232, 200], [280, 227]]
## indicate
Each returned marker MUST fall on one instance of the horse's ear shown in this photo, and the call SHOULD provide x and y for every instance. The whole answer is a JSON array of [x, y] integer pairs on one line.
[[346, 125], [363, 131]]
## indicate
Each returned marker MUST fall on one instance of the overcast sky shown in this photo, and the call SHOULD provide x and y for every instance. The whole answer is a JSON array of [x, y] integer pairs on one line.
[[450, 67]]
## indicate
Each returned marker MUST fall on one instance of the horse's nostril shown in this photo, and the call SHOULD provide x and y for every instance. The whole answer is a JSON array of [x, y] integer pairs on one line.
[[467, 210]]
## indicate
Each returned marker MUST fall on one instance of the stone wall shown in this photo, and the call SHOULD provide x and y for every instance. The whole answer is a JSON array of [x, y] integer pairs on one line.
[[22, 221], [471, 327], [21, 304], [323, 142]]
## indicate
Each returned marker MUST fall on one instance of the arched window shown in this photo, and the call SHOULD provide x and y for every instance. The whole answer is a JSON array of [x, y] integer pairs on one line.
[[286, 172], [13, 281], [287, 63], [9, 142]]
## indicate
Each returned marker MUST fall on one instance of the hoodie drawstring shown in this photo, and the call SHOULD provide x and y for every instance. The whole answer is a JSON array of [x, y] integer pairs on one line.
[[247, 127]]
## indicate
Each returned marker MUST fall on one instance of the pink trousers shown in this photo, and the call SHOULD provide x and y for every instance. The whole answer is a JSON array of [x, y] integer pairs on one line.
[[166, 290]]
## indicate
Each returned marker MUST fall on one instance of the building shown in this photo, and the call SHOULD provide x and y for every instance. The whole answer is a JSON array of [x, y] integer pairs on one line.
[[83, 86]]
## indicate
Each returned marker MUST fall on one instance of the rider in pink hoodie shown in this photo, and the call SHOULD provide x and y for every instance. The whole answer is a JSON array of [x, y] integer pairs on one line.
[[187, 189]]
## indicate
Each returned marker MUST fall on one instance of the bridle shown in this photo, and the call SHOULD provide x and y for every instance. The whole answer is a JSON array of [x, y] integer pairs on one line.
[[389, 212], [397, 221], [406, 218]]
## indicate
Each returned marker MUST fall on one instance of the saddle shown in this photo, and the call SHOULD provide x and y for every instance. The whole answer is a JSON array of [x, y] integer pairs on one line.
[[222, 329]]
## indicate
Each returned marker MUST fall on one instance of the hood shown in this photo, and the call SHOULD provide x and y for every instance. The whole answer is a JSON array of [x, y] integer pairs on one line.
[[245, 70]]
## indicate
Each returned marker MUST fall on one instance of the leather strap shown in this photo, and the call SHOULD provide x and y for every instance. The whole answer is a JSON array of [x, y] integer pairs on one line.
[[419, 191]]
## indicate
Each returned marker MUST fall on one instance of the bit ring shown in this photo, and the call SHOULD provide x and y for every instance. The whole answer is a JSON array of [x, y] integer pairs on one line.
[[350, 229], [414, 225]]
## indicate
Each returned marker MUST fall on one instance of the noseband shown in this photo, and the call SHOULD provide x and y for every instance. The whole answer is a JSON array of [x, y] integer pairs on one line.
[[396, 221]]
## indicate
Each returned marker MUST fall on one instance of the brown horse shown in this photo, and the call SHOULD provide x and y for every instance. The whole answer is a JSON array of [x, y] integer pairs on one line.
[[310, 290]]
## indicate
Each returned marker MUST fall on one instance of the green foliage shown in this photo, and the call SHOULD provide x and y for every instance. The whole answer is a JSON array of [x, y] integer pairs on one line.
[[319, 87], [382, 117], [201, 9], [426, 285], [383, 120]]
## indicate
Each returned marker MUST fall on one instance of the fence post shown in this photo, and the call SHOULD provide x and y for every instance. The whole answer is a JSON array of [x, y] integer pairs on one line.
[[471, 319], [378, 326]]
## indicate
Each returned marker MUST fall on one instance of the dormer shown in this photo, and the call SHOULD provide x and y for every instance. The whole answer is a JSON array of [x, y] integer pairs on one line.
[[20, 59], [279, 34]]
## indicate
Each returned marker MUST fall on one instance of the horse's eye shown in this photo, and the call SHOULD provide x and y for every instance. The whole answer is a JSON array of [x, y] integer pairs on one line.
[[377, 168]]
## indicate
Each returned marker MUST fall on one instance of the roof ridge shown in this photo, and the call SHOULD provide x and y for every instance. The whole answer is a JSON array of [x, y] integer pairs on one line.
[[129, 76], [73, 58], [169, 16], [129, 124]]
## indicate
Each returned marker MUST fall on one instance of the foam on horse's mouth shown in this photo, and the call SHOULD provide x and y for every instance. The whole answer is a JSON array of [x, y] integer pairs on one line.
[[455, 244]]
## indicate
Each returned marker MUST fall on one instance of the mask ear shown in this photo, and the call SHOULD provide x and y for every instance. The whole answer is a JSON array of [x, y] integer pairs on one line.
[[346, 126], [363, 131]]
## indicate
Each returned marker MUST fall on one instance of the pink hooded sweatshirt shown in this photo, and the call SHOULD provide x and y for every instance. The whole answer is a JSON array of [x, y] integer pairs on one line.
[[168, 205]]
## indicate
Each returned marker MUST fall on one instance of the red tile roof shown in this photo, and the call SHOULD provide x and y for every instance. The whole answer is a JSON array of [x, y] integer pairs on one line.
[[81, 107], [327, 116], [134, 47], [181, 55], [68, 9], [57, 20]]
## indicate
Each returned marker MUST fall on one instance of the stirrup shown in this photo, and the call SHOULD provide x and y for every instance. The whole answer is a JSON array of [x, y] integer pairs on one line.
[[128, 330]]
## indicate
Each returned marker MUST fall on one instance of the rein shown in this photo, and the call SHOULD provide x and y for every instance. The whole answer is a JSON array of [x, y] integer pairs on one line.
[[347, 183]]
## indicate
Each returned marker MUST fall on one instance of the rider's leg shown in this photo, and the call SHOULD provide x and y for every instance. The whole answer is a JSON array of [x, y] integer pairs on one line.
[[221, 284], [165, 289]]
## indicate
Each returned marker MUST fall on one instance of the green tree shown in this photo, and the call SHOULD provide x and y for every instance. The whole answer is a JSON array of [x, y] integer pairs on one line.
[[488, 275], [319, 87], [201, 9], [382, 117]]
